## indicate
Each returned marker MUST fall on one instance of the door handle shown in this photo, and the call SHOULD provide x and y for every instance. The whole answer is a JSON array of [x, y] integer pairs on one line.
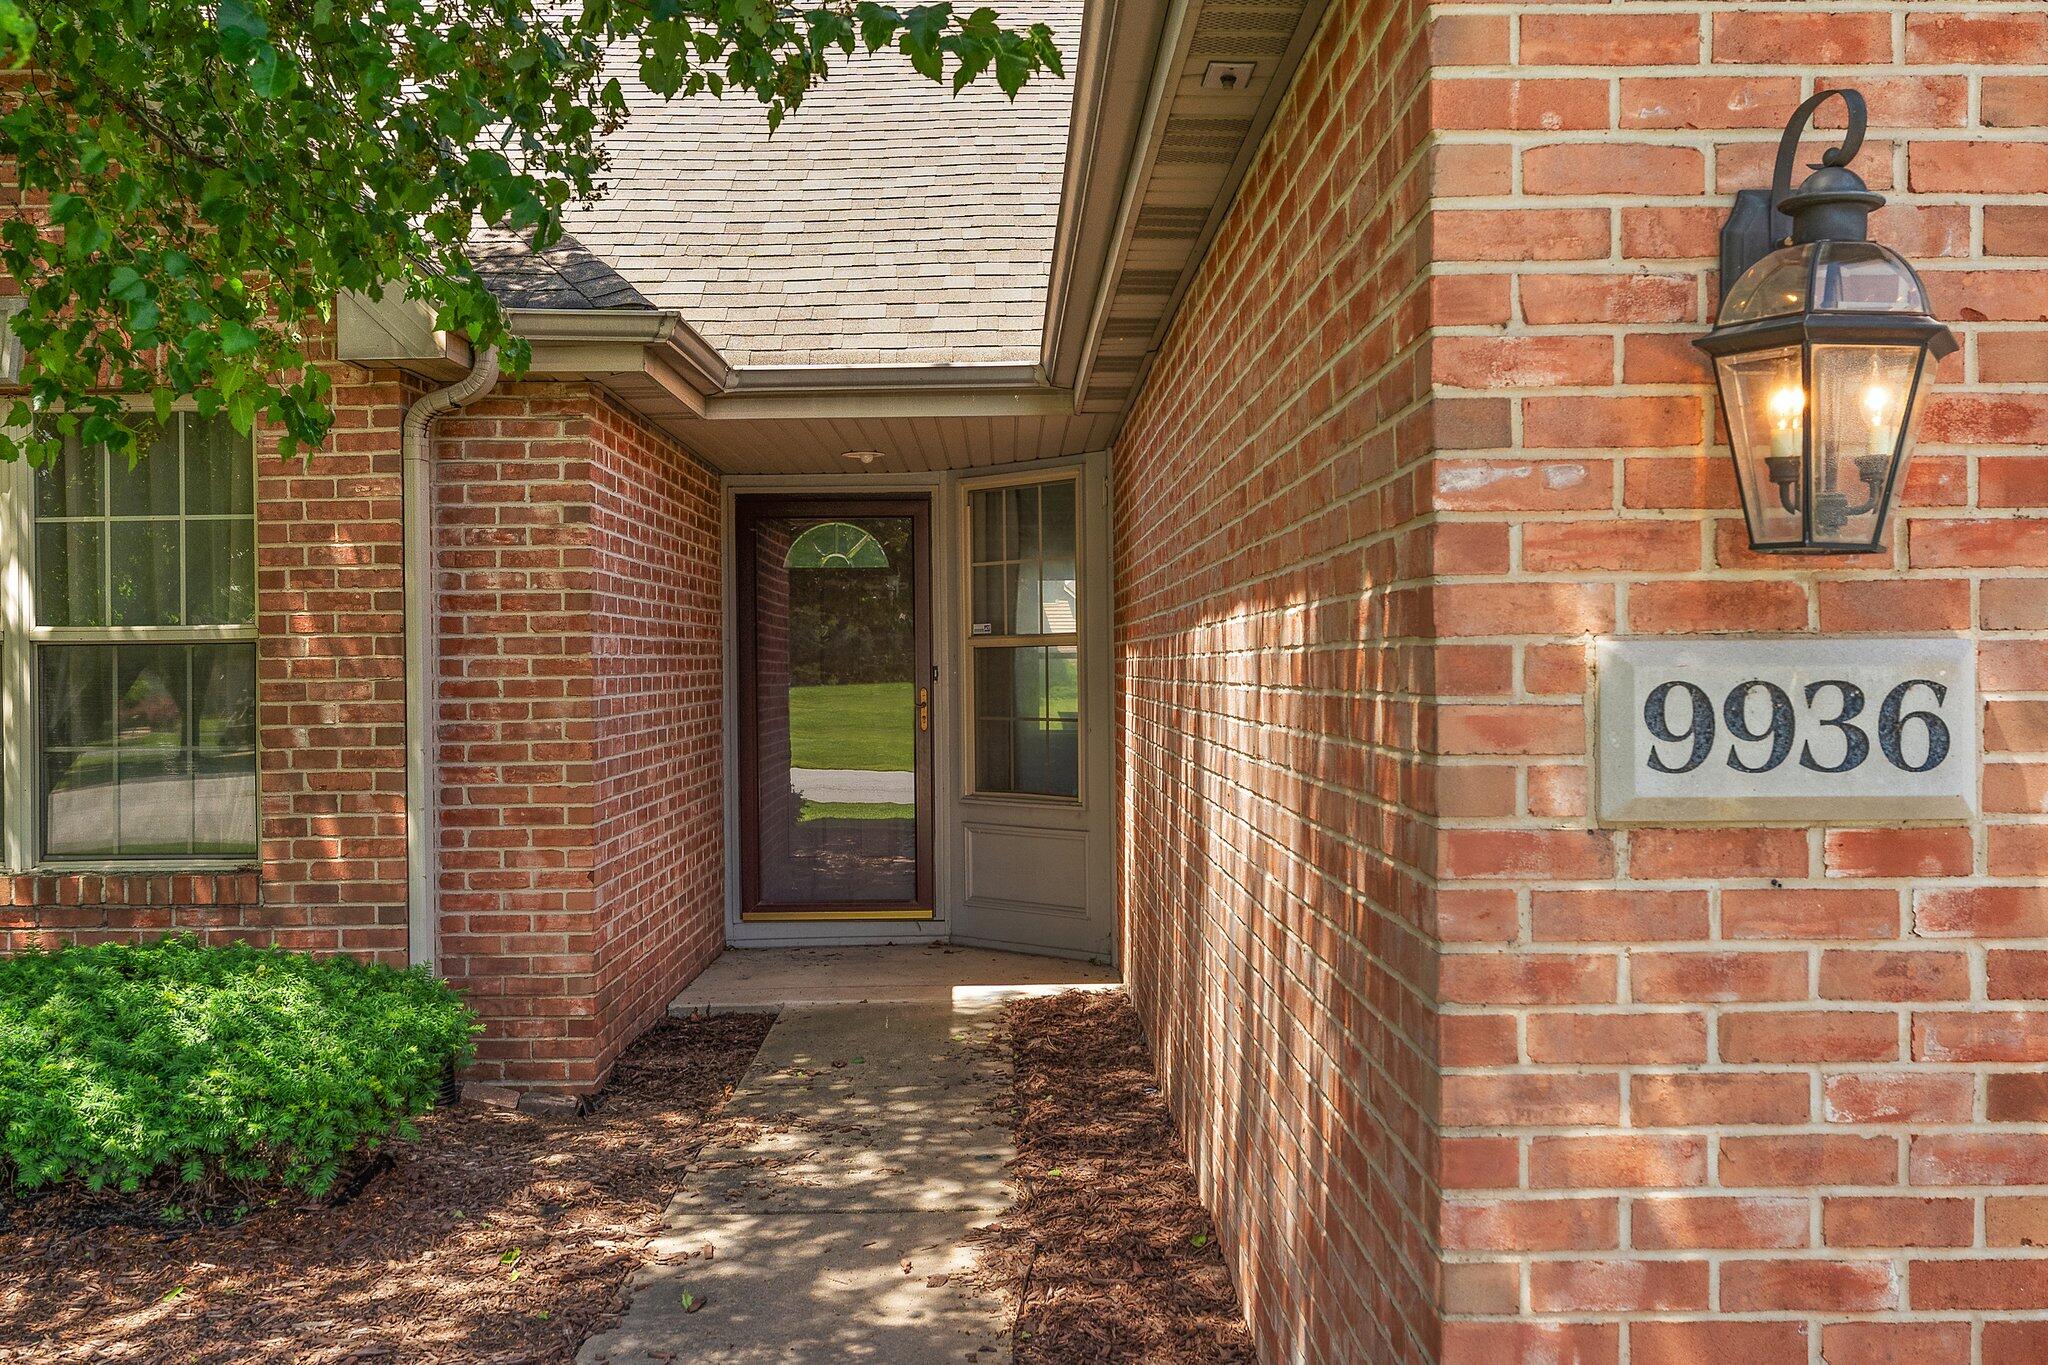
[[924, 709]]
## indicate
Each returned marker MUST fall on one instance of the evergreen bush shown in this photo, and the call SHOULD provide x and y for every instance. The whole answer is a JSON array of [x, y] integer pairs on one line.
[[122, 1064]]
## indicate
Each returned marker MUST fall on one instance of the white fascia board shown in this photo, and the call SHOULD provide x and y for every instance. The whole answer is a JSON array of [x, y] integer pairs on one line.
[[978, 390]]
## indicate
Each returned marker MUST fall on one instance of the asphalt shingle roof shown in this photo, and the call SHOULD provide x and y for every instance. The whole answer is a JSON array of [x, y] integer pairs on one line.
[[888, 221], [566, 275]]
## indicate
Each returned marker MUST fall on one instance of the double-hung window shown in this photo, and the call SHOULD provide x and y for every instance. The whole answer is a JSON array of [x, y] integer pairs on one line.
[[135, 648]]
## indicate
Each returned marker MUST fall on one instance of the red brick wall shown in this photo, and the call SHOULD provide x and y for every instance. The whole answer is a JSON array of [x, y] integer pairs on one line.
[[1764, 1093], [1272, 789], [582, 873], [657, 532], [331, 712]]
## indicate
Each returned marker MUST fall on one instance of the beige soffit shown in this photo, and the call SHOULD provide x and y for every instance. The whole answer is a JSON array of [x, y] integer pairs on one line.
[[654, 361], [1194, 146], [1119, 47], [649, 357]]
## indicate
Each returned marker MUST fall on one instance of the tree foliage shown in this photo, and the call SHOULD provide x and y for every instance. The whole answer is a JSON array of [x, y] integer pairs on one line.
[[212, 175]]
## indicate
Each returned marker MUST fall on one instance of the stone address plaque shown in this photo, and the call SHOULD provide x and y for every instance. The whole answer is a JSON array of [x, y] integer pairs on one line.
[[1809, 730]]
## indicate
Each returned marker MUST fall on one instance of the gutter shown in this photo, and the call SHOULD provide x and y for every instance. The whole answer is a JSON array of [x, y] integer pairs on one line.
[[942, 378], [678, 344], [1112, 116], [422, 807]]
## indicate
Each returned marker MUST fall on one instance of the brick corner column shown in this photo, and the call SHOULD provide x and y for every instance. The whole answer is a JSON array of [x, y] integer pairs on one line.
[[1742, 1092]]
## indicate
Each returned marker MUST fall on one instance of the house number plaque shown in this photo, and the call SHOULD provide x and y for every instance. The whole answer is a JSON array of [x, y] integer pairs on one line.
[[1810, 730]]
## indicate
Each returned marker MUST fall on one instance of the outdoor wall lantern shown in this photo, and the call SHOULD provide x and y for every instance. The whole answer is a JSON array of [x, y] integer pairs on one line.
[[1822, 351]]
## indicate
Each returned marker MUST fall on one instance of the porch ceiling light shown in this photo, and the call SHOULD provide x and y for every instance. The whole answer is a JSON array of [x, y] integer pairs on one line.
[[1822, 352]]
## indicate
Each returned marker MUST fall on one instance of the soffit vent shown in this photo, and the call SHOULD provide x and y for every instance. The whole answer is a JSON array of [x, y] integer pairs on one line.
[[1148, 281], [1129, 329], [1237, 32], [1203, 140], [1117, 364], [1162, 221]]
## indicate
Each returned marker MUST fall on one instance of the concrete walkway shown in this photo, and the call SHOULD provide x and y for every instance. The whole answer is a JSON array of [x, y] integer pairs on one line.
[[837, 1230]]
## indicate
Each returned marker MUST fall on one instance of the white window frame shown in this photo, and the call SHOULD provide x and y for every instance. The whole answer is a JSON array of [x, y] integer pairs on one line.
[[20, 756], [1077, 638]]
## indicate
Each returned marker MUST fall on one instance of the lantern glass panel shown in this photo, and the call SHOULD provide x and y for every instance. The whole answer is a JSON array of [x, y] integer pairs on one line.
[[1863, 277], [1766, 411], [1773, 287], [1860, 410]]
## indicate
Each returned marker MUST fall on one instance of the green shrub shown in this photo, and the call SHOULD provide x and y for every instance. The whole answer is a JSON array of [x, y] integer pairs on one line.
[[128, 1063]]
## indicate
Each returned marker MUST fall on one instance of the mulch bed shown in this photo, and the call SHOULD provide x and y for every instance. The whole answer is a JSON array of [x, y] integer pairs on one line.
[[1108, 1254], [497, 1238]]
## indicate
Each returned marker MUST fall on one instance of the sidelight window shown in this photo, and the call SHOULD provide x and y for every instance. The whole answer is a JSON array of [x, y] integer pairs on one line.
[[1024, 638]]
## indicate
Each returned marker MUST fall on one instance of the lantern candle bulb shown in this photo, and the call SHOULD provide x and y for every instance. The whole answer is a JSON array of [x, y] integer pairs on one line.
[[1880, 406], [1786, 406]]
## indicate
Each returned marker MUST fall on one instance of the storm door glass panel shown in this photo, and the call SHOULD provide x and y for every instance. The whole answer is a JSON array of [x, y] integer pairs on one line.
[[1024, 639], [835, 710]]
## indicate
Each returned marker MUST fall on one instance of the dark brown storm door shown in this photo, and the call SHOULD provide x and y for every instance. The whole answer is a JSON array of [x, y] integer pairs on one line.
[[835, 686]]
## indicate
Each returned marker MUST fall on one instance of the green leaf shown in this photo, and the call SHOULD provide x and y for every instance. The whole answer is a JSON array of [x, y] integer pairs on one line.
[[19, 30], [236, 339], [271, 75], [241, 29], [127, 285]]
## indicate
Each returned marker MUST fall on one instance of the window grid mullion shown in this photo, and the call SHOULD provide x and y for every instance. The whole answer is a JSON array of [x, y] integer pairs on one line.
[[1007, 521], [178, 567]]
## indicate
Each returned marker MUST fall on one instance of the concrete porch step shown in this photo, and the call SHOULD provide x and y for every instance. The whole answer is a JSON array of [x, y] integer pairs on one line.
[[764, 980]]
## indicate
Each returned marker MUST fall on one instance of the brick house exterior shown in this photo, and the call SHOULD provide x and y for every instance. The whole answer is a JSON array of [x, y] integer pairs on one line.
[[579, 724], [1274, 690], [1410, 421]]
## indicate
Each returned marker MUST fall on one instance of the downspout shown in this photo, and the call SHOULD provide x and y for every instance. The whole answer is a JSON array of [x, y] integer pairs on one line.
[[422, 809]]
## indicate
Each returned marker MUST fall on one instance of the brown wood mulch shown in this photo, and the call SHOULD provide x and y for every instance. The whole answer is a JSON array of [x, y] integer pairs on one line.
[[497, 1238], [1107, 1255]]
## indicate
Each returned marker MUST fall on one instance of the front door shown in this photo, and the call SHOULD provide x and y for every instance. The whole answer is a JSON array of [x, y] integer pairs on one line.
[[835, 684]]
